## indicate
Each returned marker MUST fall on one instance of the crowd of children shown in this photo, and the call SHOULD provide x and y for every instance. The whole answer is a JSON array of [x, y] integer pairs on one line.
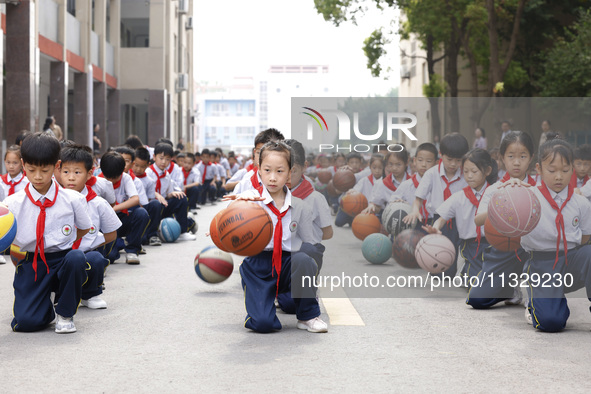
[[76, 216]]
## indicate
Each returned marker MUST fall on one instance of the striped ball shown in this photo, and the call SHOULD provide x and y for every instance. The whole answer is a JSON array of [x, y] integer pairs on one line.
[[213, 265], [16, 254], [169, 230], [7, 228]]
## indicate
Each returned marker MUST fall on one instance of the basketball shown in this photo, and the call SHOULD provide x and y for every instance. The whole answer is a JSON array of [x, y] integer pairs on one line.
[[245, 228], [343, 180], [365, 224], [319, 186], [499, 241], [324, 176], [213, 231], [376, 248], [435, 253], [393, 215], [330, 189], [7, 228], [403, 249], [213, 265], [169, 230], [514, 211], [16, 254], [353, 204]]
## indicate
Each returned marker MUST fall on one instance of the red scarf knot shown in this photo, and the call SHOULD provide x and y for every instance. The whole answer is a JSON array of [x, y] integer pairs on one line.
[[559, 219]]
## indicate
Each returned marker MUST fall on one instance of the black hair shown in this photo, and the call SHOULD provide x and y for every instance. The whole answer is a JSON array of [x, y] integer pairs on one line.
[[268, 135], [134, 142], [550, 135], [181, 155], [299, 153], [380, 146], [402, 154], [13, 149], [231, 154], [125, 150], [176, 153], [276, 146], [482, 130], [218, 149], [339, 154], [557, 146], [353, 155], [48, 121], [494, 152], [142, 154], [163, 148], [165, 141], [112, 164], [428, 147], [583, 152], [77, 154], [21, 136], [375, 157], [40, 149], [205, 152], [517, 137], [454, 145], [506, 121], [482, 159], [190, 156]]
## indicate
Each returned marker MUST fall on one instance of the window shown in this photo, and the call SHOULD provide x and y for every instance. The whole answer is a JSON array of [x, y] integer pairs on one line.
[[238, 109], [251, 109], [135, 24], [226, 133], [71, 7]]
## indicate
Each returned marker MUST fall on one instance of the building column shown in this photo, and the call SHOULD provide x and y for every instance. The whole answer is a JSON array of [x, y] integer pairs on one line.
[[58, 95], [20, 69], [100, 112], [156, 116], [114, 117], [80, 134]]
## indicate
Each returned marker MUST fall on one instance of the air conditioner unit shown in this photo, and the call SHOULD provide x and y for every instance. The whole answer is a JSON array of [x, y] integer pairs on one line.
[[183, 6], [189, 24], [182, 83], [404, 72]]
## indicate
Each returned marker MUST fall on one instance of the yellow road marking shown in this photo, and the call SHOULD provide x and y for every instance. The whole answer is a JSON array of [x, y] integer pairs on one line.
[[341, 312]]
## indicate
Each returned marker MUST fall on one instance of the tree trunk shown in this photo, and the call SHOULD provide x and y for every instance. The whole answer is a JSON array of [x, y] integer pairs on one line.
[[433, 102]]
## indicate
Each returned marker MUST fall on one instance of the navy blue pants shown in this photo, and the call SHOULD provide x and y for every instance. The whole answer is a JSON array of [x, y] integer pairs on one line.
[[193, 195], [207, 189], [177, 208], [547, 304], [343, 218], [473, 255], [154, 209], [259, 282], [133, 228], [96, 274], [494, 278], [220, 191], [285, 301], [33, 309]]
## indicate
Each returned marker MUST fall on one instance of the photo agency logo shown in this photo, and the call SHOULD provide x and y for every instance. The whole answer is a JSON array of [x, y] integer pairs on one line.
[[387, 123]]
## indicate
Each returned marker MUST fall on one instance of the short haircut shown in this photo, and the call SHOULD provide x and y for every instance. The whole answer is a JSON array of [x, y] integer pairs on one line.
[[353, 155], [190, 156], [181, 155], [77, 154], [142, 154], [163, 148], [112, 164], [268, 135], [40, 149], [557, 146], [21, 136], [205, 152], [517, 137], [16, 149], [125, 150], [299, 153], [402, 154], [482, 159], [165, 141], [583, 152], [276, 146], [428, 147], [231, 154], [454, 145], [134, 142]]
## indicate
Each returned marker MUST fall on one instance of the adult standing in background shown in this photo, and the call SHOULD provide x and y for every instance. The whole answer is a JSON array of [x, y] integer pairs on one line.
[[506, 128], [180, 146], [96, 141], [479, 138], [49, 125]]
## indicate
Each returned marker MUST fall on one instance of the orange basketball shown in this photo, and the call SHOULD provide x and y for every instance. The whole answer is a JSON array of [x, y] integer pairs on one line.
[[330, 189], [343, 180], [352, 204], [245, 228], [499, 241], [365, 224], [324, 176], [213, 232]]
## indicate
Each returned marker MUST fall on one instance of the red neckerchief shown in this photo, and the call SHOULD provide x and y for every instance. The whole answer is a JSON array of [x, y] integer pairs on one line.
[[138, 176], [530, 180], [132, 175], [335, 168], [170, 167], [186, 174], [472, 198], [447, 190], [205, 165], [389, 181], [277, 239], [318, 166], [370, 177], [12, 183], [559, 218], [158, 177], [574, 180], [40, 230], [249, 167], [89, 196], [92, 181], [254, 180], [304, 189], [423, 209], [116, 186]]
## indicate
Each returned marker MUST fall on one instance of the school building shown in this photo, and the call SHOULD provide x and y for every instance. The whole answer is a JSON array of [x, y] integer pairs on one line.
[[125, 64]]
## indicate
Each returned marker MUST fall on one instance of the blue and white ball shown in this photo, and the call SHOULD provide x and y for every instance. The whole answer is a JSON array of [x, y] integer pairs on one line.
[[169, 230], [213, 265]]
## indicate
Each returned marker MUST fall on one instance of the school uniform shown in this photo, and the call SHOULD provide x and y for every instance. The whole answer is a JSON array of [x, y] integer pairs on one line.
[[177, 207], [134, 220], [362, 174], [10, 185], [407, 192], [462, 207], [153, 207], [176, 174], [208, 188], [554, 251], [190, 177], [586, 190], [220, 174], [250, 181], [103, 188], [497, 264], [233, 170], [267, 274], [225, 165], [435, 188], [238, 175], [50, 265]]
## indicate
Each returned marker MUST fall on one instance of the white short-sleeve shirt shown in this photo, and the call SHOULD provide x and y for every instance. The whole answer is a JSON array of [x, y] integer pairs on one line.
[[149, 186], [238, 175], [104, 220], [20, 181], [380, 194], [459, 207], [432, 186], [321, 217], [126, 189], [167, 186], [362, 174], [104, 188], [246, 184], [210, 171], [365, 185], [141, 192], [193, 176], [407, 191]]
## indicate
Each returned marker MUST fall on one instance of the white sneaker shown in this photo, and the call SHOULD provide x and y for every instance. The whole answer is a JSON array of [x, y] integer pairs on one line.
[[132, 258], [64, 325], [186, 237], [313, 325], [95, 302], [528, 317], [517, 297], [155, 241], [2, 259]]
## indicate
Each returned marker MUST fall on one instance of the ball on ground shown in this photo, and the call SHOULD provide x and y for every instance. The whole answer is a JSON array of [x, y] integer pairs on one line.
[[365, 224], [393, 215], [169, 230], [376, 248], [435, 253], [404, 246], [213, 265]]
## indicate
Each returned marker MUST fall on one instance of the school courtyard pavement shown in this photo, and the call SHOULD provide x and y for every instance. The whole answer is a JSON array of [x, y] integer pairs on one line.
[[165, 330]]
